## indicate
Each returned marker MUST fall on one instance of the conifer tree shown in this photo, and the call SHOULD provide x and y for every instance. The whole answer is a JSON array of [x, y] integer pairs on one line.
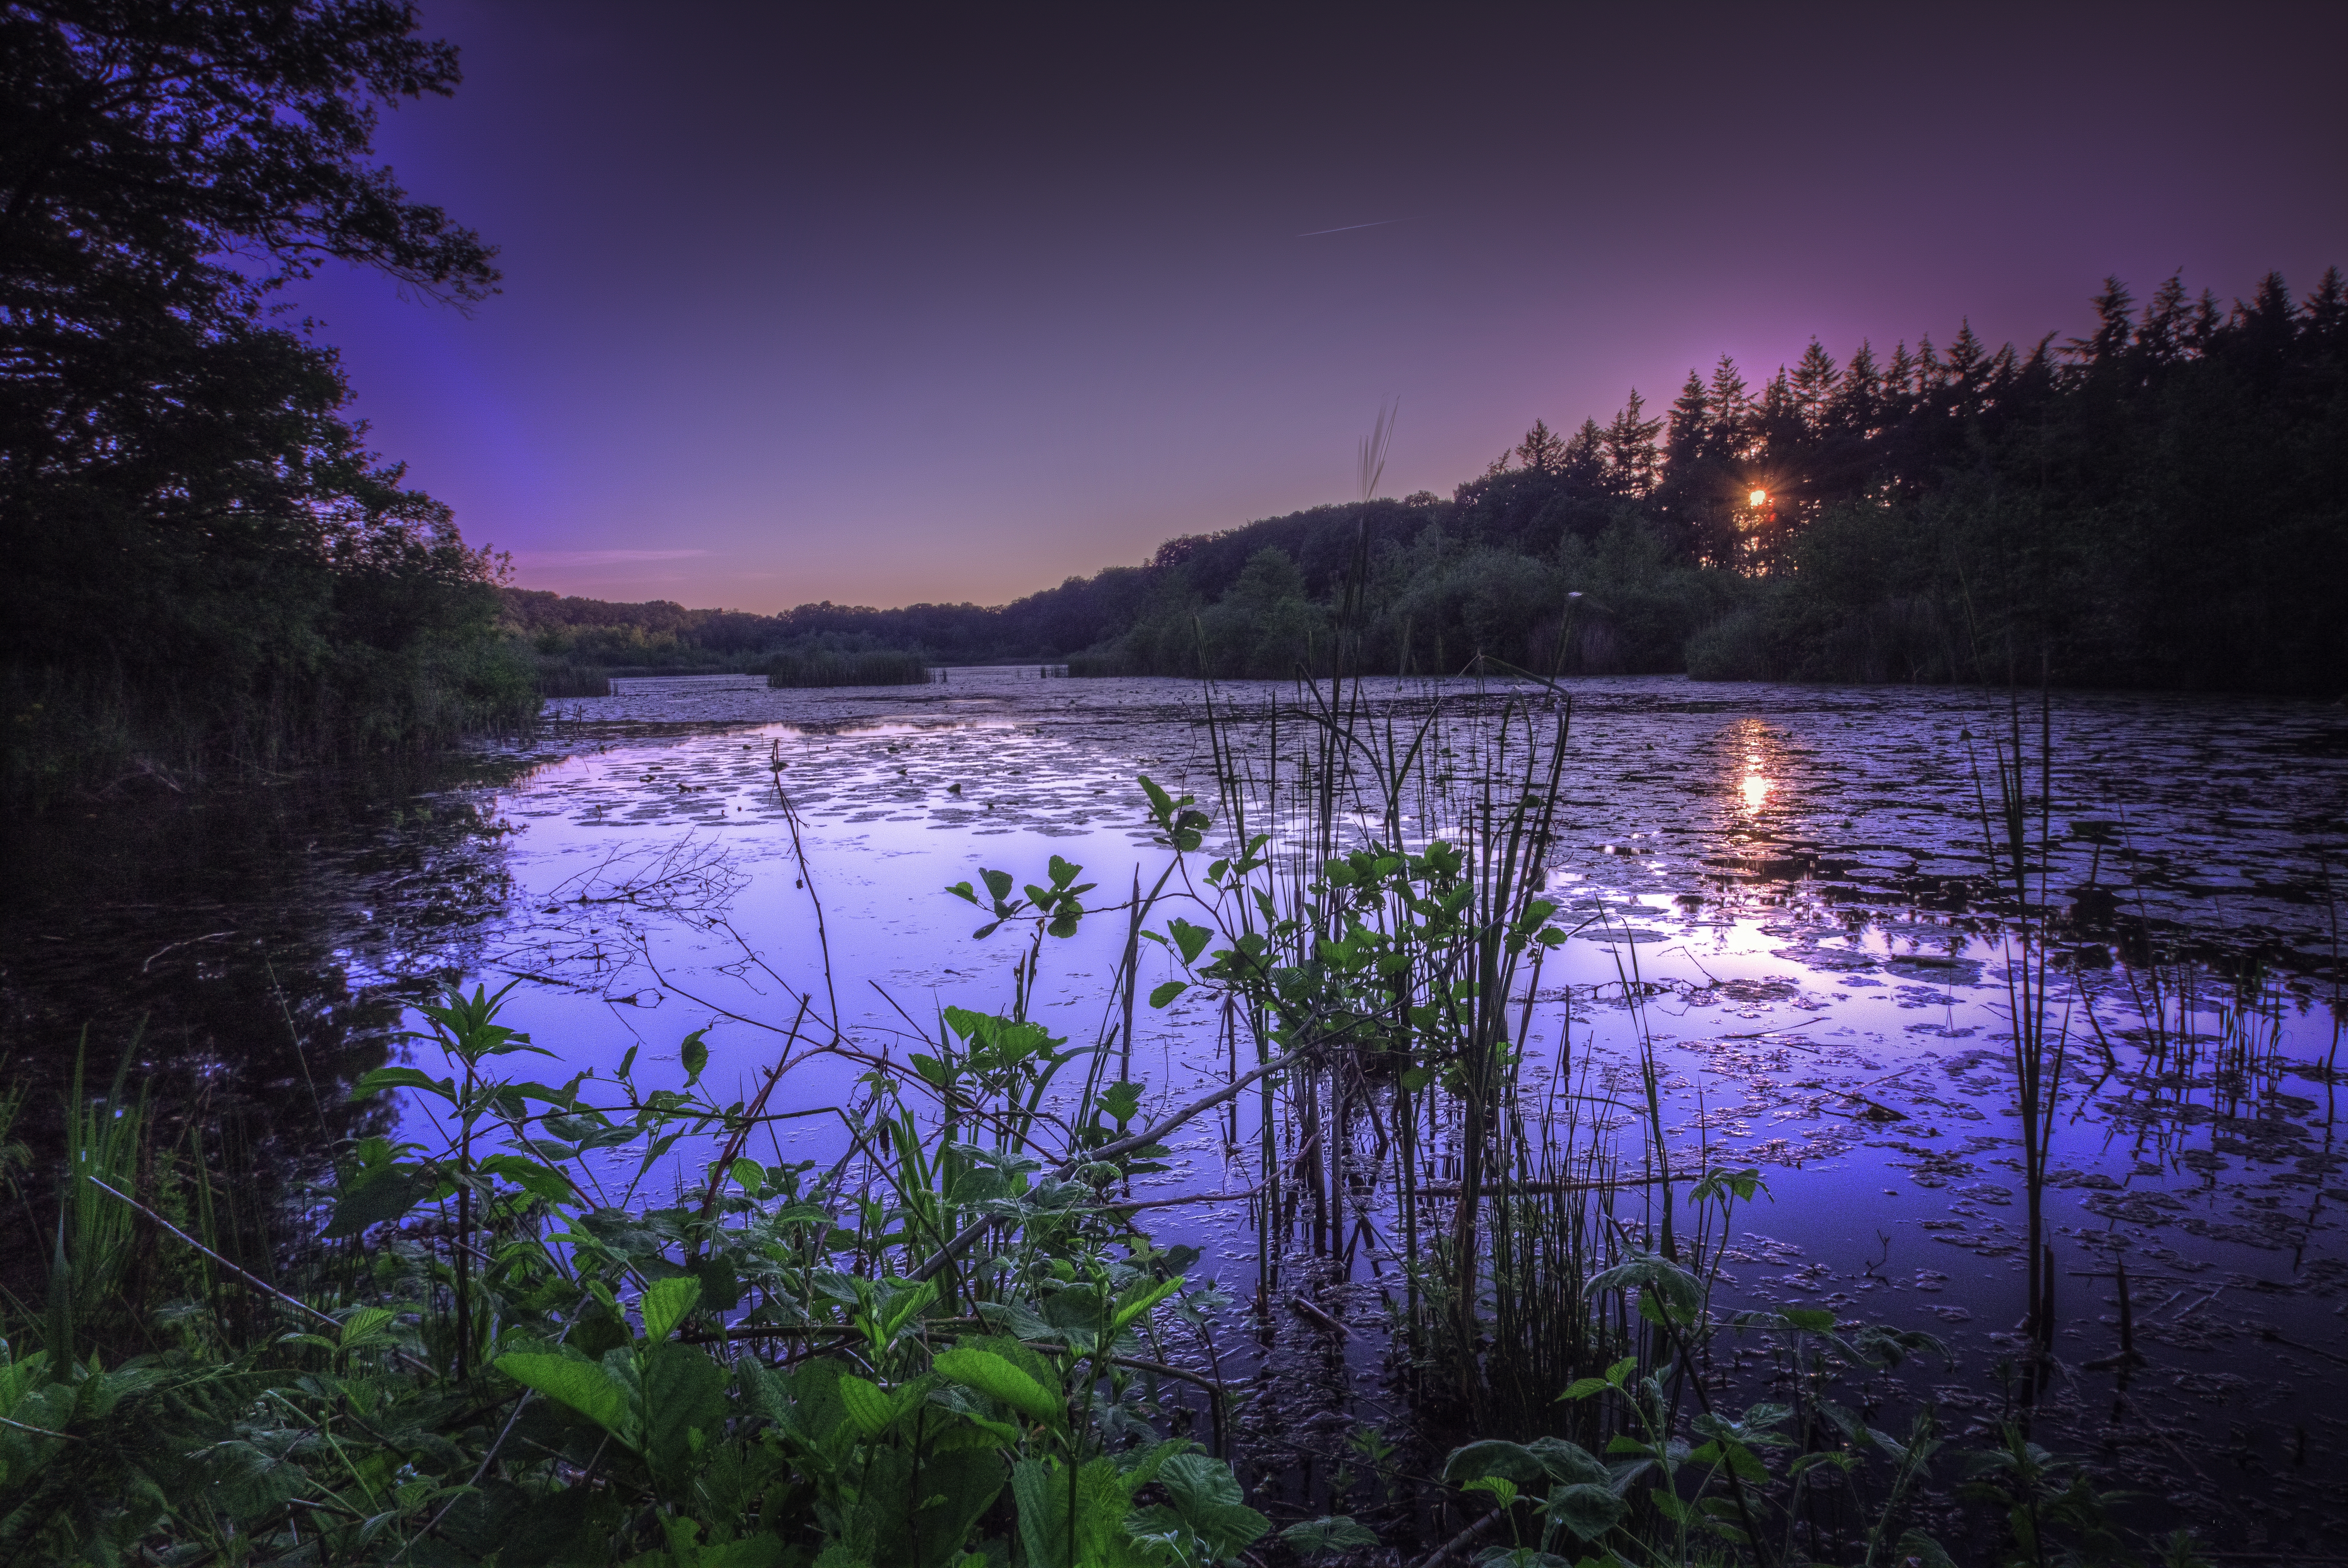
[[1858, 395], [1630, 449], [1584, 462], [1542, 452], [1691, 417], [1731, 407], [1815, 379]]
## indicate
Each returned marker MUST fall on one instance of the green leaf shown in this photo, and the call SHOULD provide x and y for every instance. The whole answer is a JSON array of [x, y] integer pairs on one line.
[[1915, 1546], [743, 1551], [1335, 1532], [374, 1083], [963, 890], [1188, 939], [1127, 1312], [1208, 1496], [999, 1380], [694, 1052], [1121, 1100], [581, 1384], [666, 1305], [1503, 1490], [684, 1392], [1590, 1511], [391, 1193], [1676, 1291], [1570, 1462], [1809, 1319], [868, 1407], [1583, 1387], [905, 1306], [537, 1180], [1512, 1462], [1161, 994]]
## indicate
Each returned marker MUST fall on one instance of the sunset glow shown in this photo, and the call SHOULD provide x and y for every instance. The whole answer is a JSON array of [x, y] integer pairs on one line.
[[1759, 498]]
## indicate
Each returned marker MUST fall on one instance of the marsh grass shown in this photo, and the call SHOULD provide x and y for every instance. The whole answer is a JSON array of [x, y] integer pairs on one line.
[[617, 1322], [826, 667], [560, 677]]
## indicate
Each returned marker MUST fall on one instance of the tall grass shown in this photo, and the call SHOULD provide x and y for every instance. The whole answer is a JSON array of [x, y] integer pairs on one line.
[[621, 1323], [558, 678], [824, 668]]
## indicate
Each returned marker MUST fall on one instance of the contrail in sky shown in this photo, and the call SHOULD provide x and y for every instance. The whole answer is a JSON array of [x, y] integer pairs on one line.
[[1345, 228]]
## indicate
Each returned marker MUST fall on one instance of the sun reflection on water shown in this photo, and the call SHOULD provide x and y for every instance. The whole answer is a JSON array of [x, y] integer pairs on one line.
[[1757, 782]]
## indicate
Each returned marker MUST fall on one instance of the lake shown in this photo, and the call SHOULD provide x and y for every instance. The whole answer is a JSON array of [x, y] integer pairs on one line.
[[1779, 914]]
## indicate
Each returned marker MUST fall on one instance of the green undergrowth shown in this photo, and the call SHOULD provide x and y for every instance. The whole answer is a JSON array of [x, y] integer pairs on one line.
[[586, 1324]]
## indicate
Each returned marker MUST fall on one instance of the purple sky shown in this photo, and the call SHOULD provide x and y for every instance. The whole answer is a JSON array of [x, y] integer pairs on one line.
[[950, 305]]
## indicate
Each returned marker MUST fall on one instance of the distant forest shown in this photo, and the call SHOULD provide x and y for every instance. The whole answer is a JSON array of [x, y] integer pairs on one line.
[[2163, 503]]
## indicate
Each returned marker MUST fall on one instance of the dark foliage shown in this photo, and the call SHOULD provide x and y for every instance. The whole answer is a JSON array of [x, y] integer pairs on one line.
[[206, 564], [2163, 503]]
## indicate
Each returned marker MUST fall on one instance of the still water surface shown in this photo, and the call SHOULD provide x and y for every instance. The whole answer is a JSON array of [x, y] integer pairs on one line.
[[1791, 877]]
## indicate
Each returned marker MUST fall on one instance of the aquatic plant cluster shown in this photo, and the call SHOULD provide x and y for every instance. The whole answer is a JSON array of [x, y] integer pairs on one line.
[[527, 1339]]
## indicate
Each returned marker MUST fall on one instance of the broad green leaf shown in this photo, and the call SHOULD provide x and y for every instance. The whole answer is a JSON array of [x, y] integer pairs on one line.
[[683, 1392], [760, 1550], [1127, 1314], [374, 1083], [537, 1180], [1188, 939], [1568, 1462], [695, 1054], [668, 1303], [582, 1385], [999, 1380], [1590, 1511], [1208, 1498], [1336, 1533], [1121, 1100], [868, 1407], [392, 1193], [1161, 994], [902, 1310], [1503, 1490], [1915, 1546], [1513, 1462]]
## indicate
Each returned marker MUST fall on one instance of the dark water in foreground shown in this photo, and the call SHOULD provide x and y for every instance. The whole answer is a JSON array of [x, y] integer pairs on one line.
[[1792, 874]]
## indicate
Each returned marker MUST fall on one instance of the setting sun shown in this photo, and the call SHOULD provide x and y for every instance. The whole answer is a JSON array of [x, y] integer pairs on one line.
[[1760, 497]]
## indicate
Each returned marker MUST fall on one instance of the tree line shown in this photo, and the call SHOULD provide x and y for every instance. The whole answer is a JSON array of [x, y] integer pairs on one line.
[[2161, 503]]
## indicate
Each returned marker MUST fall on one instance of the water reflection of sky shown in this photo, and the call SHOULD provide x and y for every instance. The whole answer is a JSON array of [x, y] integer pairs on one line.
[[1788, 875]]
